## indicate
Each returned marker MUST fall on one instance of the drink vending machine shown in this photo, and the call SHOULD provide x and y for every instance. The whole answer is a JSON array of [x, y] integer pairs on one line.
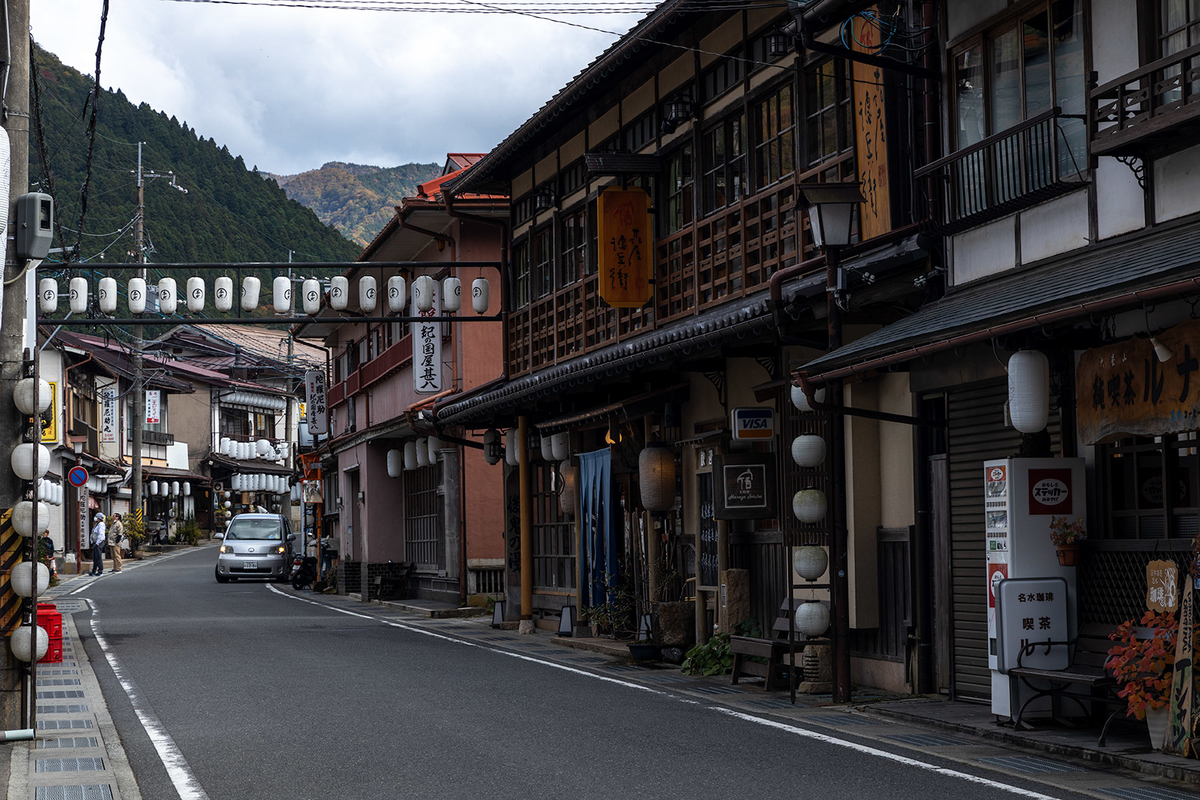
[[1021, 495]]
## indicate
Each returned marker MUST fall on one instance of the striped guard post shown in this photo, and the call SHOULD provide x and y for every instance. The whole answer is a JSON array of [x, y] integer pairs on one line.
[[11, 544]]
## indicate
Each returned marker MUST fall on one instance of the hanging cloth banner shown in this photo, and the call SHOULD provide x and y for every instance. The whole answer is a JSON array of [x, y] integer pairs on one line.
[[1182, 716], [596, 567]]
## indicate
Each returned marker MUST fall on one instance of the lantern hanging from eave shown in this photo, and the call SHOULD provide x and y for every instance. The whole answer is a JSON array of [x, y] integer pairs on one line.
[[423, 288], [800, 399], [187, 489], [397, 293], [251, 286], [339, 292], [1029, 390], [367, 292], [546, 445], [395, 463], [434, 444], [174, 488], [809, 505], [107, 295], [656, 477], [480, 295], [79, 295], [168, 298], [560, 446], [410, 456], [451, 294], [812, 619], [154, 488], [566, 497], [281, 294], [810, 561], [423, 453], [808, 450], [136, 295], [511, 456], [22, 461], [223, 293], [195, 294], [312, 296], [48, 295]]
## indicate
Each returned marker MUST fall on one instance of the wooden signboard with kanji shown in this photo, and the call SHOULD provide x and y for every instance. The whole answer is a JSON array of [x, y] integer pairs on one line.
[[870, 134], [625, 257], [1162, 586], [1124, 389]]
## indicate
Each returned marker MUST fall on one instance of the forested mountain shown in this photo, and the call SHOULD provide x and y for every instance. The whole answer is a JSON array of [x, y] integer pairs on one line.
[[356, 199], [229, 213]]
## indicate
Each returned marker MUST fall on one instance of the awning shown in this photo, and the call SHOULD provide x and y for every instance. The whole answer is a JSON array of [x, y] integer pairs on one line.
[[252, 467], [1146, 267]]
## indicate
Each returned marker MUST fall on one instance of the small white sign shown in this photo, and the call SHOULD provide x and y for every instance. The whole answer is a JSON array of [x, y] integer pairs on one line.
[[108, 414], [1032, 614], [316, 408], [153, 407], [427, 347]]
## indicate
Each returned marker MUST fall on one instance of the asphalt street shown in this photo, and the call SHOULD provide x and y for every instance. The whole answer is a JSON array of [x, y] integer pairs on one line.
[[246, 690]]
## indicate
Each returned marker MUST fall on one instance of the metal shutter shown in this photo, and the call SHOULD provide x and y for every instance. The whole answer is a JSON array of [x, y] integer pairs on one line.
[[976, 434]]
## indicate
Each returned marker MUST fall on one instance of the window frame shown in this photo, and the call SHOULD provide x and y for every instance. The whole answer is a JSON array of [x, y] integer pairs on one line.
[[724, 167], [773, 136]]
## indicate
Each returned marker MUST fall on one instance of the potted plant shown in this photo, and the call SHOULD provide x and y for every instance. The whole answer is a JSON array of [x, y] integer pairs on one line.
[[1145, 667], [1068, 536]]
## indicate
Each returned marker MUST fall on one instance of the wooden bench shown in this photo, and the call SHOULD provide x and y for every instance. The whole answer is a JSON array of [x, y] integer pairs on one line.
[[1084, 682], [775, 650]]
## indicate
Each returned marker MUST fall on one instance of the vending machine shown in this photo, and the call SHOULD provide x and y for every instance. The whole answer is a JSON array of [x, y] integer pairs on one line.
[[1021, 496]]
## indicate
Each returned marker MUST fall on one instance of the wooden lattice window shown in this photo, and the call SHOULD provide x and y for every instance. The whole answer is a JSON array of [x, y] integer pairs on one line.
[[1150, 487], [677, 195], [541, 335], [828, 112], [554, 557], [723, 75], [422, 517], [541, 268], [775, 137], [724, 164], [675, 290], [520, 271], [519, 354], [572, 248], [568, 323]]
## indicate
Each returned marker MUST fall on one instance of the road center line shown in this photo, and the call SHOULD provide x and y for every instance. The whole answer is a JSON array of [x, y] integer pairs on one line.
[[809, 734], [172, 760]]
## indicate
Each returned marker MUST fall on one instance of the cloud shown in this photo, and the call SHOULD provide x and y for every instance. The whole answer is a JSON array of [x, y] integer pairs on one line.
[[290, 89]]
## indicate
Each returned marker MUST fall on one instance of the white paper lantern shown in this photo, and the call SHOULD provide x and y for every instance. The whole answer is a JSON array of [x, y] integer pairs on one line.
[[809, 505], [451, 294], [79, 295], [808, 450], [480, 292], [281, 294], [48, 295], [367, 294], [168, 299], [423, 453], [810, 561], [560, 446], [22, 461], [264, 447], [31, 397], [310, 292], [339, 292], [135, 293], [21, 578], [566, 497], [175, 488], [395, 463], [223, 293], [195, 294], [511, 456], [410, 455], [251, 286], [154, 488], [107, 295], [800, 400], [397, 294], [423, 288], [187, 489], [656, 477], [812, 619], [1029, 390], [22, 518], [434, 444], [29, 643], [546, 445], [164, 488]]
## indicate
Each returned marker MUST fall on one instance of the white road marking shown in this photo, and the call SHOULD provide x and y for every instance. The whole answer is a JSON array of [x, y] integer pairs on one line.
[[172, 760], [821, 737]]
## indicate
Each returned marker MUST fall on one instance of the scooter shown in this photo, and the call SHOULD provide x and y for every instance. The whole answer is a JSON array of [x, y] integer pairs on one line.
[[304, 571]]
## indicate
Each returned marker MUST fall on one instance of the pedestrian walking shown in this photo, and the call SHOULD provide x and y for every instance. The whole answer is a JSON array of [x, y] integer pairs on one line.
[[47, 545], [99, 539], [116, 535]]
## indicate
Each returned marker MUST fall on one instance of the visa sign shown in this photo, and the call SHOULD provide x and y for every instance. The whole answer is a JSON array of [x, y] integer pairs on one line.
[[755, 422]]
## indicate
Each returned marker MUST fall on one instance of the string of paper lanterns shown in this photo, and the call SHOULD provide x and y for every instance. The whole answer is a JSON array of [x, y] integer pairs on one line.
[[195, 295], [31, 518]]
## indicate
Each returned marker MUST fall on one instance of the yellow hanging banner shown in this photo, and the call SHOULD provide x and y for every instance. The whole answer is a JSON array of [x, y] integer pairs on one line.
[[50, 423], [623, 235]]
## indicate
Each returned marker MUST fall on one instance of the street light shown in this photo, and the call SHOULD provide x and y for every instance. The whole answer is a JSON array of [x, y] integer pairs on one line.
[[830, 209]]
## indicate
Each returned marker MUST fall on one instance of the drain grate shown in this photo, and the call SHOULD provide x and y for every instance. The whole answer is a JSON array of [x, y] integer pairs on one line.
[[927, 740], [59, 694], [58, 682], [842, 719], [68, 764], [44, 671], [64, 724], [69, 741], [73, 709], [1148, 793], [717, 690], [1029, 764], [667, 679], [95, 791], [774, 702]]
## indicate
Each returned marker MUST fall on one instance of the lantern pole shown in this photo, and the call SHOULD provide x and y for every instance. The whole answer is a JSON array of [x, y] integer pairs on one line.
[[838, 545]]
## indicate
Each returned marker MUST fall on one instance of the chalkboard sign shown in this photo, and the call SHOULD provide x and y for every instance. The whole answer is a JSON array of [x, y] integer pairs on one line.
[[745, 484]]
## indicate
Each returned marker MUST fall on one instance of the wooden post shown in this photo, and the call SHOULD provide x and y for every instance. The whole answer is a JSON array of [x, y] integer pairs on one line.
[[526, 624]]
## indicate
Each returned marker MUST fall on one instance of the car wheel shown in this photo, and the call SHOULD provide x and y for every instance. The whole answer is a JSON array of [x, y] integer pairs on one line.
[[221, 578]]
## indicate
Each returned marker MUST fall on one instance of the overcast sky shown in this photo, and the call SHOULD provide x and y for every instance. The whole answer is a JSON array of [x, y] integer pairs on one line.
[[291, 89]]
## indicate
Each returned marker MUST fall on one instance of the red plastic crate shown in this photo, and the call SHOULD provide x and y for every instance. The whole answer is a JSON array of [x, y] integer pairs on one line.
[[50, 620], [54, 653]]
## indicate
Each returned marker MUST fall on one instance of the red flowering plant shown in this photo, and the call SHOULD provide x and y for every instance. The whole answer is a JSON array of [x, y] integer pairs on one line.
[[1144, 667], [1065, 531]]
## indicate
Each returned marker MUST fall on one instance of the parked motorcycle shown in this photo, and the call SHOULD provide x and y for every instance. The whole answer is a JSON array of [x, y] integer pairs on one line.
[[304, 571]]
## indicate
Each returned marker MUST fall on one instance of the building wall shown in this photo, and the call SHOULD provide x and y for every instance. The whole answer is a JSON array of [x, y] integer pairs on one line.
[[191, 422]]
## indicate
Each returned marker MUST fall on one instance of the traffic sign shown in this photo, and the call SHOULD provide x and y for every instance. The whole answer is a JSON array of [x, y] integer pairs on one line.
[[77, 477]]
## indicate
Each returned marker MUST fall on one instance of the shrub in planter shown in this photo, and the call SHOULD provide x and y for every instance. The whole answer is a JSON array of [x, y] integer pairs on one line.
[[1144, 667]]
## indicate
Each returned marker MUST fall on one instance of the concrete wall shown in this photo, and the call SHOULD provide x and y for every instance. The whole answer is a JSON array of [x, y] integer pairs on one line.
[[1175, 180], [191, 422]]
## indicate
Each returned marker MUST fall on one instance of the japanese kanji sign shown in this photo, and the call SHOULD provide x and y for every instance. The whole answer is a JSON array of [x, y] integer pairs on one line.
[[1123, 389], [316, 408], [153, 406], [108, 414], [1032, 613], [625, 256], [1162, 586], [870, 134], [50, 421], [427, 347]]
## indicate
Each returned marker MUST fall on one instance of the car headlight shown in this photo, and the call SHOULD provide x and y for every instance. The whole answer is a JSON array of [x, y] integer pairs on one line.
[[226, 548], [281, 550]]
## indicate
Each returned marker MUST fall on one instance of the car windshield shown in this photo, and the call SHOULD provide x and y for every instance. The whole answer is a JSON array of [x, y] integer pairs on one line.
[[255, 529]]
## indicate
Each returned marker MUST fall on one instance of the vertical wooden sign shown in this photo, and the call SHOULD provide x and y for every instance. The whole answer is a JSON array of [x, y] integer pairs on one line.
[[624, 242], [870, 135]]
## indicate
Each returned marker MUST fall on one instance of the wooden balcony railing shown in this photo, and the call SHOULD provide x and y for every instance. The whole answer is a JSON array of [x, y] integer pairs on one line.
[[1040, 158], [387, 362], [1151, 110]]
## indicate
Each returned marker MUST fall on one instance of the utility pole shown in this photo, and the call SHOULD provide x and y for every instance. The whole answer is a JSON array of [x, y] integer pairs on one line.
[[12, 312]]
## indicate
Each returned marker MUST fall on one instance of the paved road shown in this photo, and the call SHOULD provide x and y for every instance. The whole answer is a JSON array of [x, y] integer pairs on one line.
[[243, 691]]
